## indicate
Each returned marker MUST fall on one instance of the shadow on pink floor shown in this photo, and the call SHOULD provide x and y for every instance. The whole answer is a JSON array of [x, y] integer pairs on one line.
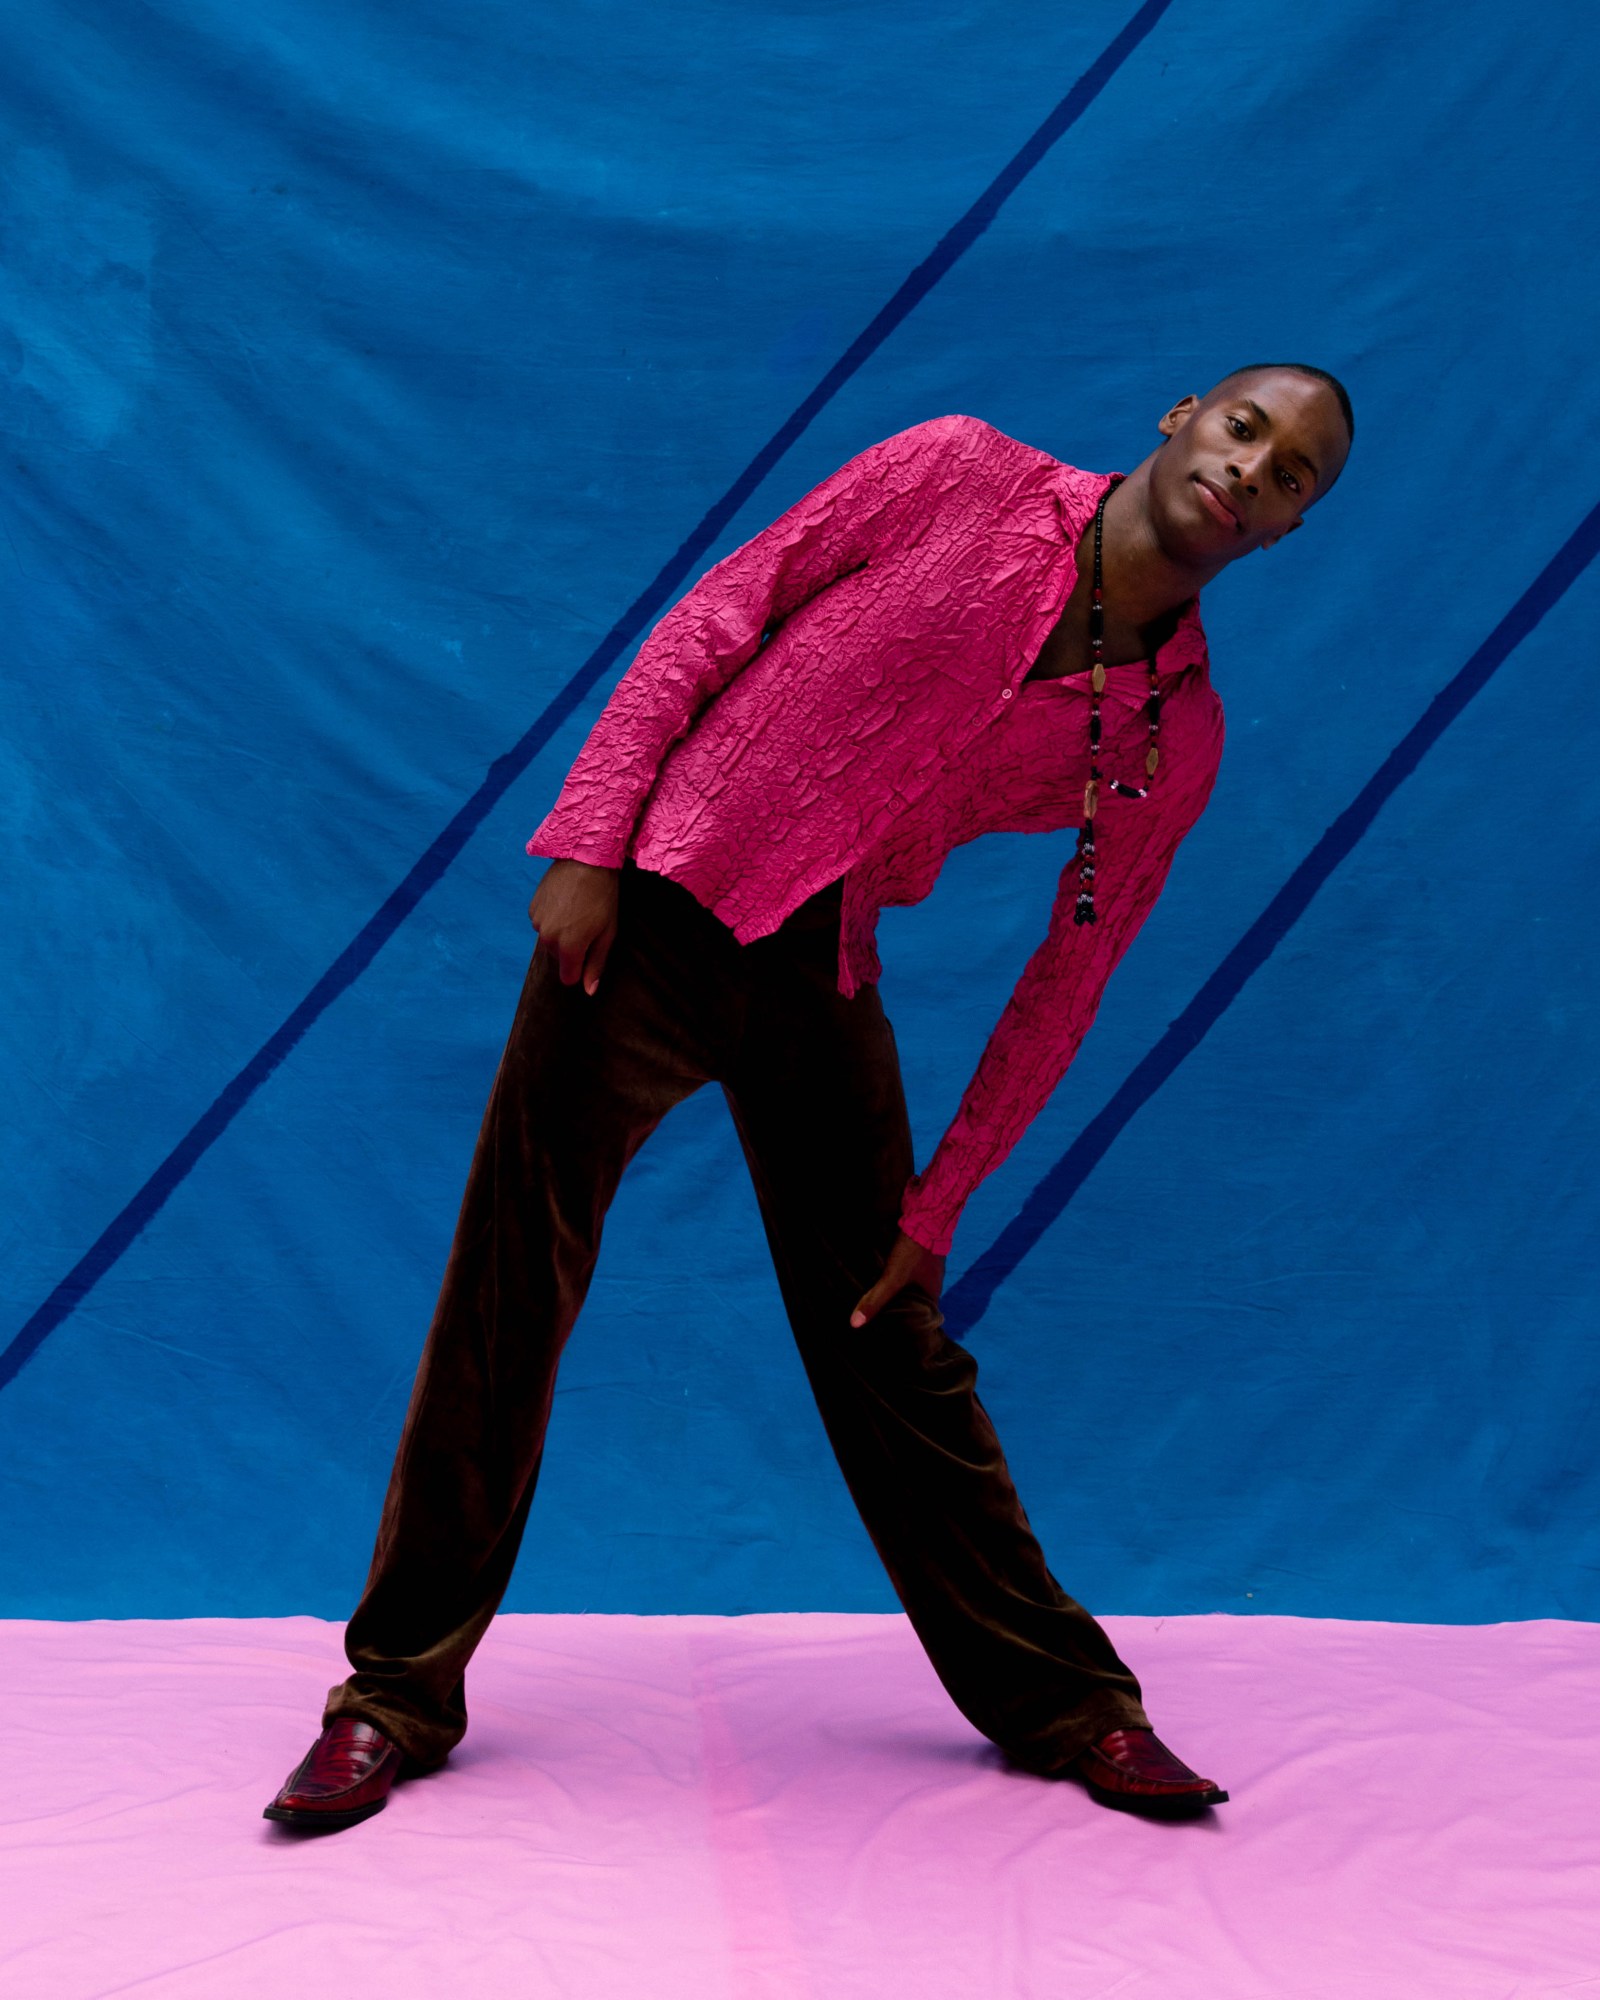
[[788, 1808]]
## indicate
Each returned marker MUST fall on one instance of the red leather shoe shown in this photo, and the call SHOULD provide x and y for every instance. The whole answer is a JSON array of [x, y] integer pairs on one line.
[[344, 1777], [1134, 1770]]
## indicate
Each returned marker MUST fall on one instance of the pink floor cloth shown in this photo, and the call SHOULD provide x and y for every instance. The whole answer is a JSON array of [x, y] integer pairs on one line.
[[788, 1808]]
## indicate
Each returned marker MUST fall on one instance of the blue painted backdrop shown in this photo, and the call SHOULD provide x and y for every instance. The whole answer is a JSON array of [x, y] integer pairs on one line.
[[363, 365]]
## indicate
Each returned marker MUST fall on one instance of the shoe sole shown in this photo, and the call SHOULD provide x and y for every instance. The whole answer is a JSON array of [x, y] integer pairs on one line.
[[312, 1820], [1154, 1806]]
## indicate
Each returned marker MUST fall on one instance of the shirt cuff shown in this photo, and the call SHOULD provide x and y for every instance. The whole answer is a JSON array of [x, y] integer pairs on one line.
[[926, 1222], [595, 849]]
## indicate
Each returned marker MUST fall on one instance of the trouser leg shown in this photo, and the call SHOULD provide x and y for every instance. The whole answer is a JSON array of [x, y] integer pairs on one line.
[[582, 1082], [817, 1099]]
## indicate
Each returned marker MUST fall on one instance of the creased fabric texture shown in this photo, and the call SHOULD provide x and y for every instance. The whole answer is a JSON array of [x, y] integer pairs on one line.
[[847, 694], [786, 1807]]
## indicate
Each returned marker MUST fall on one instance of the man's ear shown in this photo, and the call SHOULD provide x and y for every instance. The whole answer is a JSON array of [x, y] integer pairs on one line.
[[1178, 415], [1298, 522]]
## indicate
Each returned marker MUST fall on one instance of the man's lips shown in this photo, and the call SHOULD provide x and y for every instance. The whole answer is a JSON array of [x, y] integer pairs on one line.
[[1219, 504]]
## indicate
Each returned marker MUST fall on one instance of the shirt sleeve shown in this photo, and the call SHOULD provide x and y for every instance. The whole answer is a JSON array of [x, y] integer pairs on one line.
[[1054, 1003], [867, 506]]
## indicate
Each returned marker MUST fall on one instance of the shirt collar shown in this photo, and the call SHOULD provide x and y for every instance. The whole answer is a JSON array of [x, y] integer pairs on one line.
[[1077, 495]]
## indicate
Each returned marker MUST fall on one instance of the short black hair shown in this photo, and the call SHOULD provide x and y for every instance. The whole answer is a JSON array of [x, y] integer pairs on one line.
[[1305, 368]]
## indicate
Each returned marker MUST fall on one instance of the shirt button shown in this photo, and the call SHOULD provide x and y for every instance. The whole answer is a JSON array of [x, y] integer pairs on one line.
[[1005, 694]]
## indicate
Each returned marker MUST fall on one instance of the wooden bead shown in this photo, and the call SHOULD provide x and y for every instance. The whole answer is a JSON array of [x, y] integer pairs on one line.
[[1097, 680], [1152, 757], [1091, 798]]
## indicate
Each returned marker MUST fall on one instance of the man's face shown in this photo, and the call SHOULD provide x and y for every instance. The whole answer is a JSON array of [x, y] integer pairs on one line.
[[1241, 465]]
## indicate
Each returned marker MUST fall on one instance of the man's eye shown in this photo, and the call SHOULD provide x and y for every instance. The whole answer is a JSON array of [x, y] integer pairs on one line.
[[1240, 426], [1291, 482]]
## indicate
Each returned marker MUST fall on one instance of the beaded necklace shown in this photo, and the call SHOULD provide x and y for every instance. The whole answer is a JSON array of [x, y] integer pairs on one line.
[[1083, 911]]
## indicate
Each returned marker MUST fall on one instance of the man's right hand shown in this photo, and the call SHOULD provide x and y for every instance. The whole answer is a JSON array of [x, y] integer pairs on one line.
[[574, 910]]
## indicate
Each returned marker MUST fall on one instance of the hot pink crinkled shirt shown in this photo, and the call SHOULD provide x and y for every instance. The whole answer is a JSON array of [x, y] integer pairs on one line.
[[886, 719]]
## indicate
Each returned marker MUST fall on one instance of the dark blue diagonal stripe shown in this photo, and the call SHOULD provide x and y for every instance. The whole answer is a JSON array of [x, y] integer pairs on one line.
[[504, 771], [966, 1301]]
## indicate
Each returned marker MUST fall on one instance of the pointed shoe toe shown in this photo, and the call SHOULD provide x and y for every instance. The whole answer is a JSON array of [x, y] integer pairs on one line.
[[1134, 1771], [343, 1778]]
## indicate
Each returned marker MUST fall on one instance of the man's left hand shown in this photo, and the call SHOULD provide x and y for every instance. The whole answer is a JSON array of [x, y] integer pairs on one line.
[[909, 1264]]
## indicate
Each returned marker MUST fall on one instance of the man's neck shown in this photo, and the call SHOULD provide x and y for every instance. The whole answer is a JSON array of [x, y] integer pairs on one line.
[[1141, 579]]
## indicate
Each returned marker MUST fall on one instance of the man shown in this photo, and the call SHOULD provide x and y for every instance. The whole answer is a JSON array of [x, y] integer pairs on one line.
[[915, 653]]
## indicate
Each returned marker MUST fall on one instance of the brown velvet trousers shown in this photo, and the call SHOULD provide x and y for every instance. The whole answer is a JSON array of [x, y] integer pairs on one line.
[[813, 1082]]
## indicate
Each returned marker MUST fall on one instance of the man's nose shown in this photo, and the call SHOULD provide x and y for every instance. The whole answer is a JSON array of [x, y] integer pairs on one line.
[[1248, 479]]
